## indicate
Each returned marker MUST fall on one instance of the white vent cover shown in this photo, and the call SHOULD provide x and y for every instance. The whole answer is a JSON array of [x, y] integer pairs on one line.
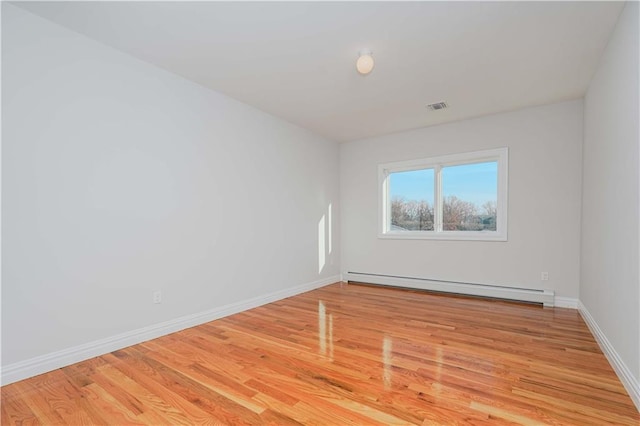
[[437, 106]]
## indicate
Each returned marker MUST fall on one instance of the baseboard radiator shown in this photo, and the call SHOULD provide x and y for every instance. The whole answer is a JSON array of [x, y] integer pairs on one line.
[[545, 297]]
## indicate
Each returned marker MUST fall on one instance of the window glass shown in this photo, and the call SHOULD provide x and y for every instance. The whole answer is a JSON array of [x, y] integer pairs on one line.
[[411, 197], [470, 197]]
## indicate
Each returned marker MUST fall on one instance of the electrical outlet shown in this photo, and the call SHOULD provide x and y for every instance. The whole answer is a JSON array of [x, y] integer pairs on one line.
[[157, 296], [544, 276]]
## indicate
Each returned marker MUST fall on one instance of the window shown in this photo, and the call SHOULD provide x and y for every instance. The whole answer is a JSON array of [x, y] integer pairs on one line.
[[454, 197]]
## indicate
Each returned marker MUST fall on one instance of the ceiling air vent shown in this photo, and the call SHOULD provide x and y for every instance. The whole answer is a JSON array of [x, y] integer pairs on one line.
[[437, 106]]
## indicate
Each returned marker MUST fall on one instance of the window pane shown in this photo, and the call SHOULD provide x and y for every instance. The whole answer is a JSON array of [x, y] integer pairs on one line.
[[411, 197], [470, 197]]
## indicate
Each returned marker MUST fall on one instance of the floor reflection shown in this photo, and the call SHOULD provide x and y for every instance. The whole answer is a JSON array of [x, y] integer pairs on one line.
[[325, 331], [387, 348], [437, 386]]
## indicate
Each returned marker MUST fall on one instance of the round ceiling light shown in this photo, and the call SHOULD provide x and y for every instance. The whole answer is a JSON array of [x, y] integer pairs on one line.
[[364, 65]]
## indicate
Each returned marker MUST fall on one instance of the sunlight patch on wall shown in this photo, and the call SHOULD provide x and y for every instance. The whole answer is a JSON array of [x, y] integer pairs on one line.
[[321, 244], [330, 226]]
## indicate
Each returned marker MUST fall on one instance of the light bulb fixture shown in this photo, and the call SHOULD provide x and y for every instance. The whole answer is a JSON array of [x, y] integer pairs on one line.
[[364, 65]]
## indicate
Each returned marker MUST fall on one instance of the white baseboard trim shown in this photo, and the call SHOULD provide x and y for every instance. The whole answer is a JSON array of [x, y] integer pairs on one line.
[[526, 295], [565, 302], [631, 384], [48, 362]]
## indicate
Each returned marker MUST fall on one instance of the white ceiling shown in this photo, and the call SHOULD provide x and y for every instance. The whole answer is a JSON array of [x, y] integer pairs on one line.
[[296, 60]]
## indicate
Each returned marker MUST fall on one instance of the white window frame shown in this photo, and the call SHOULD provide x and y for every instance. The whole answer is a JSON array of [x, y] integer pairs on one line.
[[500, 155]]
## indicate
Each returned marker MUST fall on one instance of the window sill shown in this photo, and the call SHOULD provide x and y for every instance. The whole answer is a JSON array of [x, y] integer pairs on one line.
[[446, 236]]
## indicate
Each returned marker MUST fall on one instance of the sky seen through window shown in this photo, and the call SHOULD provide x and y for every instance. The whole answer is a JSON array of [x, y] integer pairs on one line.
[[476, 183]]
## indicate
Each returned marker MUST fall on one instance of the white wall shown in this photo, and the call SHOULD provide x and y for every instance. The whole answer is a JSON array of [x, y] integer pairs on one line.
[[544, 202], [120, 178], [610, 280]]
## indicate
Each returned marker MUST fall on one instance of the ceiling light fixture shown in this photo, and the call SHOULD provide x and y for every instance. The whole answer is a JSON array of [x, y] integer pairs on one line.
[[364, 65]]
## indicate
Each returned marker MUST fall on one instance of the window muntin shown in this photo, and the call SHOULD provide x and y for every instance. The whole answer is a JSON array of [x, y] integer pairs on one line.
[[455, 197]]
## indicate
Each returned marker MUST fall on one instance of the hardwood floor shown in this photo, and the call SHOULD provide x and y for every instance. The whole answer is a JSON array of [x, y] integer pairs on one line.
[[345, 354]]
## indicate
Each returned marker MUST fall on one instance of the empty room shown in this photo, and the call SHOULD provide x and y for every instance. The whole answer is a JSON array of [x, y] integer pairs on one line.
[[320, 213]]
